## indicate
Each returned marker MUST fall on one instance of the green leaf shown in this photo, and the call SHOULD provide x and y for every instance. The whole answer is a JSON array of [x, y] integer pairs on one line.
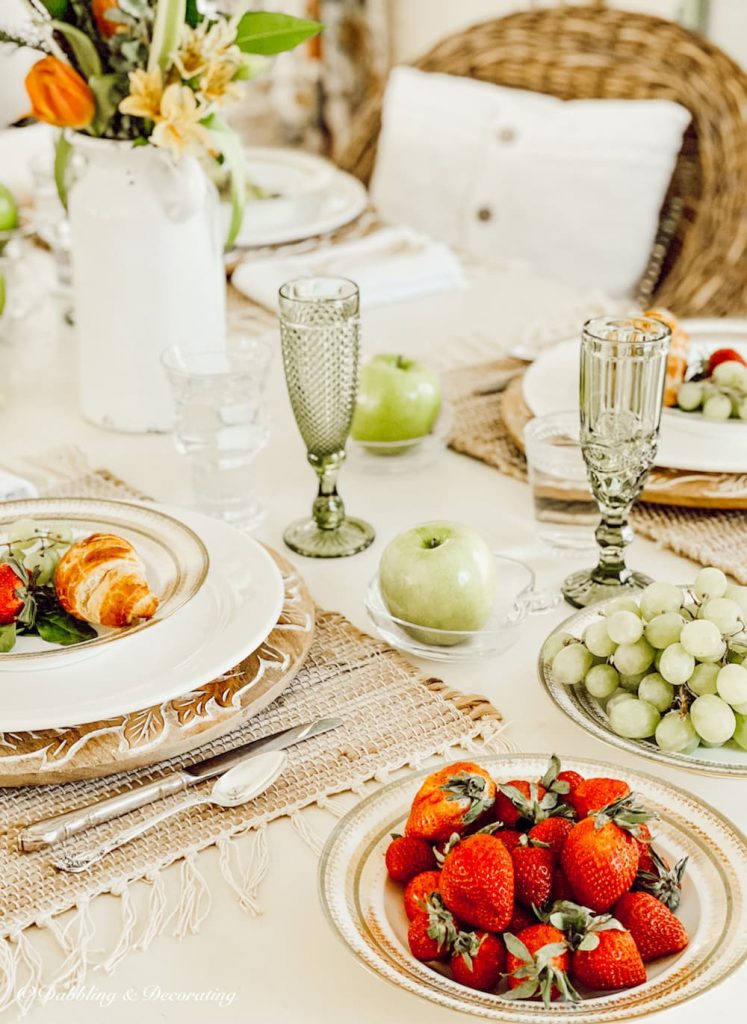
[[193, 16], [268, 33], [7, 638], [86, 54], [517, 947], [167, 27], [61, 628], [229, 144], [56, 8], [104, 89], [63, 151]]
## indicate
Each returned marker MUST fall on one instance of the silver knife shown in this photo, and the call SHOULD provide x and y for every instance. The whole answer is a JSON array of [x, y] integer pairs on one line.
[[62, 826]]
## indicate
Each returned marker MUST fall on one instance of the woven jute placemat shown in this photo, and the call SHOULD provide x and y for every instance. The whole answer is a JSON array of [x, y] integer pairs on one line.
[[708, 536], [393, 718]]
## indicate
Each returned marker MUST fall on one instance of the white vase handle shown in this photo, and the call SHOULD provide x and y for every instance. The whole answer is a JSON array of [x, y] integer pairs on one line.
[[181, 187]]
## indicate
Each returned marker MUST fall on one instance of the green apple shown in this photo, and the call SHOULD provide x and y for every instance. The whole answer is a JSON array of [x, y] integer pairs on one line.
[[439, 575], [398, 399], [8, 210]]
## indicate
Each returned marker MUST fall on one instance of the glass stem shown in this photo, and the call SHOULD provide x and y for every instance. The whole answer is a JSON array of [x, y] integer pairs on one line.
[[613, 535], [328, 509]]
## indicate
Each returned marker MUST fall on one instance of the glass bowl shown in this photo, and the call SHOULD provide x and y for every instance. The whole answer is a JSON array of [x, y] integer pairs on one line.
[[516, 597], [403, 456]]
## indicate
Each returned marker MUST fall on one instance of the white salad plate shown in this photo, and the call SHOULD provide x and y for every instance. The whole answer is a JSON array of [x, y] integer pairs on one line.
[[176, 564], [686, 440], [234, 611], [365, 907], [308, 197]]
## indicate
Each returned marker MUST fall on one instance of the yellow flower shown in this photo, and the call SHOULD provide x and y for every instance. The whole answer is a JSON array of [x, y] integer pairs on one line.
[[209, 41], [217, 85], [178, 125], [146, 92]]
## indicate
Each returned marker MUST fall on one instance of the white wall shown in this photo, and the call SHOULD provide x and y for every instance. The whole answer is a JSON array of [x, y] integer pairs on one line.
[[728, 28]]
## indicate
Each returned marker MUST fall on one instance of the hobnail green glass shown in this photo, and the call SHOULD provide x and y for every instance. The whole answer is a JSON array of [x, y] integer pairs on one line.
[[622, 373], [320, 333]]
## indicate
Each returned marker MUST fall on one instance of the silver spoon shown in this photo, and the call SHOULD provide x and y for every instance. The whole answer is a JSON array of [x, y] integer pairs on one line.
[[239, 785]]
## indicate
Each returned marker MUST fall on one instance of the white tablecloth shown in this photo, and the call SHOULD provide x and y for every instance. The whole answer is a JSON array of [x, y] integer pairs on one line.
[[287, 965]]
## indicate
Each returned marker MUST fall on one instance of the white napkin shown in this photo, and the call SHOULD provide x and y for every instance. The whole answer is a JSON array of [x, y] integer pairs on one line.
[[388, 265]]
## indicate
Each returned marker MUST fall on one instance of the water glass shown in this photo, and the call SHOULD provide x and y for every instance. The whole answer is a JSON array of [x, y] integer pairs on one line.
[[221, 425], [51, 222], [622, 372], [320, 336], [565, 509]]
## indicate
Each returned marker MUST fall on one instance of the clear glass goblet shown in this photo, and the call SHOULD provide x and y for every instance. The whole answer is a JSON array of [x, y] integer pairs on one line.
[[320, 335], [623, 366]]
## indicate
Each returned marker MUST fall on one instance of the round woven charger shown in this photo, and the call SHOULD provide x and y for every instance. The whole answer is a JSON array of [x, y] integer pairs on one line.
[[176, 726], [678, 487]]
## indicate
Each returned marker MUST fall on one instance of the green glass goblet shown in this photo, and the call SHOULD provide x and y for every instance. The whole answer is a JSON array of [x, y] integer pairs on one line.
[[623, 366], [320, 333]]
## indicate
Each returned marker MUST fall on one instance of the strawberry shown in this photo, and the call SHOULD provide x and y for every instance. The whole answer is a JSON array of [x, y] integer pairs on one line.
[[594, 794], [574, 780], [521, 919], [724, 355], [407, 856], [537, 964], [510, 837], [600, 856], [419, 890], [12, 600], [655, 930], [432, 934], [477, 882], [534, 865], [561, 887], [645, 863], [553, 831], [450, 800], [478, 960], [614, 962], [660, 880]]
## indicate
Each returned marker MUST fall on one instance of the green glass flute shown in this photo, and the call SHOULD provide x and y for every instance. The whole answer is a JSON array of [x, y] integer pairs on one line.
[[320, 333], [622, 372]]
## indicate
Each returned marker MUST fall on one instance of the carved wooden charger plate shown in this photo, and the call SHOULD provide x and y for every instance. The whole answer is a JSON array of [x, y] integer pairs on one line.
[[177, 726], [663, 486]]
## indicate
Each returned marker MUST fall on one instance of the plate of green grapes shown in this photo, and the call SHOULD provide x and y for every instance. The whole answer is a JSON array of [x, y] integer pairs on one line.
[[661, 672]]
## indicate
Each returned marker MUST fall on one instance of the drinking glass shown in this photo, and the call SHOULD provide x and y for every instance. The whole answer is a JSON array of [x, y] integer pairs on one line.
[[320, 335], [221, 425], [623, 365], [564, 507]]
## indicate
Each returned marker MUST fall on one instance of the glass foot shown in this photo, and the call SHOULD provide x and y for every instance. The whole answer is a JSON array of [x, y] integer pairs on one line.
[[350, 537], [580, 589]]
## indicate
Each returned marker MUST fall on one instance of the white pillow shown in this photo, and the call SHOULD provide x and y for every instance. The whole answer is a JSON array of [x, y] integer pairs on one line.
[[575, 187]]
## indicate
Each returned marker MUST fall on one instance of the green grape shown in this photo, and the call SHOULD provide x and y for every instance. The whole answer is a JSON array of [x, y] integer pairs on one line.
[[702, 639], [703, 679], [635, 719], [689, 395], [554, 643], [658, 598], [601, 681], [741, 709], [711, 746], [616, 698], [621, 604], [22, 530], [665, 629], [598, 640], [742, 409], [710, 582], [717, 407], [630, 659], [656, 691], [738, 594], [731, 684], [571, 664], [740, 731], [624, 627], [728, 374], [713, 719], [676, 733], [631, 683], [725, 614], [676, 665]]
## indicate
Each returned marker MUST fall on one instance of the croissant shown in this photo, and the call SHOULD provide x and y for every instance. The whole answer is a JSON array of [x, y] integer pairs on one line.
[[101, 579]]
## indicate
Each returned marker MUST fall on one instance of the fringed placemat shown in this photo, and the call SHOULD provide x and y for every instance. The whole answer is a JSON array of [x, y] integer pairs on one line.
[[709, 536], [394, 718]]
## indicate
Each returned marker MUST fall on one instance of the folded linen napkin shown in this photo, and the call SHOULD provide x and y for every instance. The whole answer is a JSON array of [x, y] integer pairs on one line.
[[388, 265]]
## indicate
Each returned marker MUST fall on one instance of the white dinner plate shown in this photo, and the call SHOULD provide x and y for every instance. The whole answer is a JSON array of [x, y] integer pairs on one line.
[[686, 440], [176, 564], [314, 198], [365, 907], [233, 612]]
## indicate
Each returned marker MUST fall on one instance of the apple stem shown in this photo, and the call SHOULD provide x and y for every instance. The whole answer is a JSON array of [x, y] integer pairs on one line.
[[403, 363]]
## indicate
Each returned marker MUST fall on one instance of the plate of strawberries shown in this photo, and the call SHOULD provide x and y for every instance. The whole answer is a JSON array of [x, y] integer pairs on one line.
[[518, 888]]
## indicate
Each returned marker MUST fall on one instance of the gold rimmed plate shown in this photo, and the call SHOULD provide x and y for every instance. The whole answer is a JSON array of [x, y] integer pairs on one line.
[[365, 907]]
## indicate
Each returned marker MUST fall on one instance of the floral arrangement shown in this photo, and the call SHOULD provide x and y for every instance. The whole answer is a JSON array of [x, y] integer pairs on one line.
[[155, 72]]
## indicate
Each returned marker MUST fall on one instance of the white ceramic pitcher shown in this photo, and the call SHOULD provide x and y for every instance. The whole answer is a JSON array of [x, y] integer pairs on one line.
[[147, 274]]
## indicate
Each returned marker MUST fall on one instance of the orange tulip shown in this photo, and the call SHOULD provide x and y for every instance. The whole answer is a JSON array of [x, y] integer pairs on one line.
[[106, 28], [59, 95]]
